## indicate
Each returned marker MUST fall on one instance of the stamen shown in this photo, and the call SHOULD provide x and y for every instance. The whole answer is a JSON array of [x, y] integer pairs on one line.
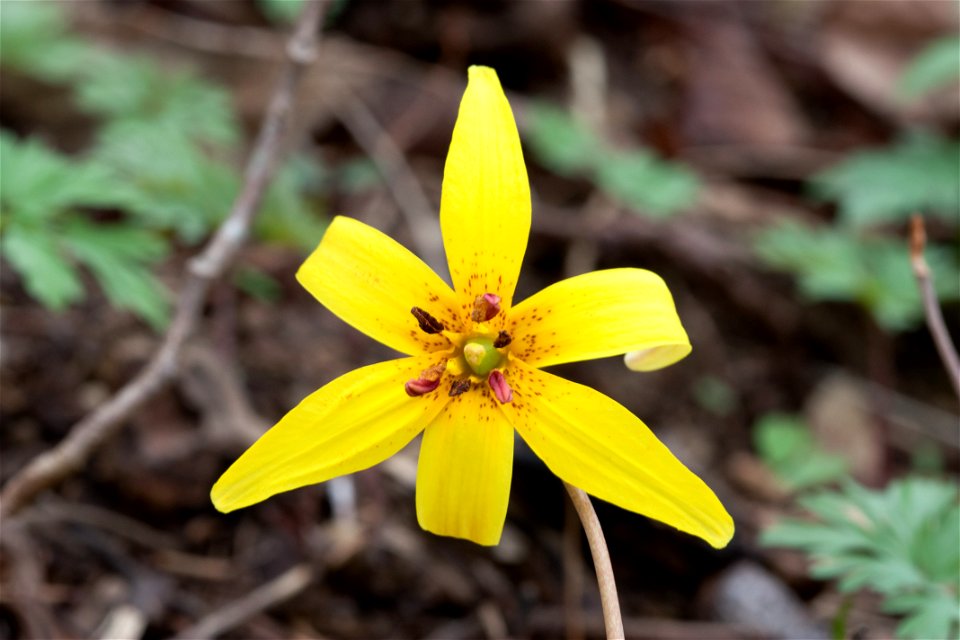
[[485, 307], [434, 372], [459, 387], [428, 324], [428, 381], [501, 389], [420, 386], [503, 339]]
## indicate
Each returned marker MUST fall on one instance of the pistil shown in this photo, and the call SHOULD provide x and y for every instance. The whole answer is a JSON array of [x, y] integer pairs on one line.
[[481, 355]]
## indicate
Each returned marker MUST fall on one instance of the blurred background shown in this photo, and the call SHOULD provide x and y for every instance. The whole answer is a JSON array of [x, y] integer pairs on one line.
[[763, 157]]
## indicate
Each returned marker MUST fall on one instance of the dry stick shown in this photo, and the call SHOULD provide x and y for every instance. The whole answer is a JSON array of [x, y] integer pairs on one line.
[[402, 183], [283, 587], [601, 561], [931, 308], [88, 434]]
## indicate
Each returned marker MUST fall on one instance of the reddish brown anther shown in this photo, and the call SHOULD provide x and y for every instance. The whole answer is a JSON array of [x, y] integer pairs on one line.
[[428, 324], [485, 307], [503, 339], [501, 389], [459, 387]]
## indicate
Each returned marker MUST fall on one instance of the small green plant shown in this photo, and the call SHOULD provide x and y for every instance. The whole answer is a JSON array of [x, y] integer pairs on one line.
[[787, 447], [47, 231], [902, 542], [635, 178], [938, 65], [921, 172], [162, 163], [872, 271]]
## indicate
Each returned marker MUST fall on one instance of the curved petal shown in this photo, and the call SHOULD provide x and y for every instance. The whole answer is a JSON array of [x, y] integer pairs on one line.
[[463, 477], [352, 423], [593, 443], [599, 314], [485, 203], [371, 282]]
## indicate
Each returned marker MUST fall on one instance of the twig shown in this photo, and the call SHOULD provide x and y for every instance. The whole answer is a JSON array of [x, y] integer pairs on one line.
[[931, 308], [402, 183], [88, 434], [281, 588], [601, 562]]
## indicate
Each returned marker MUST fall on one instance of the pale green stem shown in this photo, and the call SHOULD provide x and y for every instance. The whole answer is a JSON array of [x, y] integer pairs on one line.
[[601, 562]]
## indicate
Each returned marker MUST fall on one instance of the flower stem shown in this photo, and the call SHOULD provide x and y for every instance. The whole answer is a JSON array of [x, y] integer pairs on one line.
[[601, 561]]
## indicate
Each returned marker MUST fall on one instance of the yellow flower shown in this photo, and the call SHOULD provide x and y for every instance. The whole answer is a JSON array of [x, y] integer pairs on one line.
[[473, 372]]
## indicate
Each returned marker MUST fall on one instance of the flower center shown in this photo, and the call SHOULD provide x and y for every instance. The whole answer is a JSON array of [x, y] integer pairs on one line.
[[481, 355]]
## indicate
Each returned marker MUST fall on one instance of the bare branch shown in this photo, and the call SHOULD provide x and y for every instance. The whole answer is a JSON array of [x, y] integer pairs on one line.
[[402, 183], [931, 308], [91, 432], [601, 561], [283, 587]]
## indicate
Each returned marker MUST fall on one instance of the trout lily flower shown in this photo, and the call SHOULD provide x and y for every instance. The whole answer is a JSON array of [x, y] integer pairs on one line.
[[472, 375]]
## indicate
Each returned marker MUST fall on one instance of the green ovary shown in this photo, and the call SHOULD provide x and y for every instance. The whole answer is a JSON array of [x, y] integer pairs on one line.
[[481, 356]]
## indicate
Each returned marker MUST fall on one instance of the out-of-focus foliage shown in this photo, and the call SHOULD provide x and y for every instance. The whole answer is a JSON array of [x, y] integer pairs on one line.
[[787, 447], [35, 40], [938, 65], [635, 178], [46, 234], [281, 11], [847, 261], [835, 264], [902, 542], [164, 155], [715, 395], [919, 173]]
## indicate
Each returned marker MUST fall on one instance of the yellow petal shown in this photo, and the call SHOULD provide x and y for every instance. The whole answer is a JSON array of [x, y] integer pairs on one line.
[[371, 282], [352, 423], [599, 314], [593, 443], [485, 204], [463, 477]]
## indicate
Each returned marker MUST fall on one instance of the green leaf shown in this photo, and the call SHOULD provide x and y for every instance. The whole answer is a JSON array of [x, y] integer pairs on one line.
[[874, 272], [258, 284], [902, 542], [39, 183], [34, 40], [281, 11], [936, 66], [715, 395], [561, 143], [118, 257], [786, 445], [176, 185], [123, 89], [357, 176], [644, 183], [36, 255], [919, 173], [287, 217]]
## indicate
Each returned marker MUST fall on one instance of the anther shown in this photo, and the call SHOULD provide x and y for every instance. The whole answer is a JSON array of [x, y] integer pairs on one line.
[[503, 339], [428, 324], [428, 381], [459, 387], [501, 389], [485, 307], [420, 386]]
